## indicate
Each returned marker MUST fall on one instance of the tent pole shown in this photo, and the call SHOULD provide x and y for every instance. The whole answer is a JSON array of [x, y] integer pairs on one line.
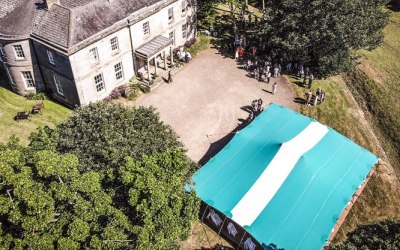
[[241, 240], [220, 229], [202, 217]]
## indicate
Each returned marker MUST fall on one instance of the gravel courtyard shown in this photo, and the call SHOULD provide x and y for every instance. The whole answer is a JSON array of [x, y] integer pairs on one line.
[[203, 104]]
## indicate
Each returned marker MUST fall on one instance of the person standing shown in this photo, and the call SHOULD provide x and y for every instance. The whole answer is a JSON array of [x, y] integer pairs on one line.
[[305, 81], [309, 96], [236, 54], [310, 81], [276, 71], [315, 100], [253, 105], [274, 88], [260, 102], [169, 77], [268, 76]]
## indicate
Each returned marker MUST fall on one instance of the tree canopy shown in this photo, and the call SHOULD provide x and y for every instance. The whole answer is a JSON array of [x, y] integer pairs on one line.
[[322, 34], [384, 235], [109, 177]]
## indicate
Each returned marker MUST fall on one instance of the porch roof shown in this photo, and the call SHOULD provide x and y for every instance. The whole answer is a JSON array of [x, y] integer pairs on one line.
[[152, 47]]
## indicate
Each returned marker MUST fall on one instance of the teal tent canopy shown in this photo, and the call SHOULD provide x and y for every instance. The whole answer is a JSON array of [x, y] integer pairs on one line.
[[285, 178]]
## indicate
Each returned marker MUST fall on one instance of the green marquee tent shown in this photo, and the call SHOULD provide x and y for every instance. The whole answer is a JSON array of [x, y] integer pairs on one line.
[[285, 178]]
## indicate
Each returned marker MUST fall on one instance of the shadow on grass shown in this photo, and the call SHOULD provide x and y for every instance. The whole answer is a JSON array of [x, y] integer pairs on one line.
[[394, 5], [299, 100], [216, 247]]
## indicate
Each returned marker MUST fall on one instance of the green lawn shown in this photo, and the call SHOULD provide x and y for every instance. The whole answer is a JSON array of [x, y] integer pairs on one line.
[[376, 84], [203, 43], [337, 111], [340, 111], [11, 103]]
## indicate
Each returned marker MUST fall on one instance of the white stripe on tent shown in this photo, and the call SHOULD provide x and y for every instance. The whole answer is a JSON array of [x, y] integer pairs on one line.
[[268, 183]]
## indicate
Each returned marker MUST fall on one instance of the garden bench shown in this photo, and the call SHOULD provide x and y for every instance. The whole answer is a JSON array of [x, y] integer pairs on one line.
[[38, 108], [22, 115]]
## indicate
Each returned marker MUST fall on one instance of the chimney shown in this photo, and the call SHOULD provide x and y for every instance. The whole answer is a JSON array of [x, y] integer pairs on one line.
[[50, 3]]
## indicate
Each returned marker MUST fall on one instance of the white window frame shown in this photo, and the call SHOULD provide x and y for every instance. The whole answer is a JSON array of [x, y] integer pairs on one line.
[[171, 14], [99, 83], [50, 55], [94, 55], [184, 6], [19, 51], [28, 79], [171, 36], [146, 28], [58, 84], [119, 71], [114, 44], [184, 31]]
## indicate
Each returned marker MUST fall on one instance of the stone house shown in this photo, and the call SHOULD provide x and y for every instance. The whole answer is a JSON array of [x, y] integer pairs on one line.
[[80, 50]]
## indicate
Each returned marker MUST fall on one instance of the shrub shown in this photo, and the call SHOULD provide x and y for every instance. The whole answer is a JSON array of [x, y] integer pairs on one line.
[[36, 96], [118, 92], [190, 42]]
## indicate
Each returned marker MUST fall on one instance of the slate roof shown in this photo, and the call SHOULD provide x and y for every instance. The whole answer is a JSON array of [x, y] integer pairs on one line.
[[154, 46], [16, 17], [53, 25], [6, 6], [68, 22]]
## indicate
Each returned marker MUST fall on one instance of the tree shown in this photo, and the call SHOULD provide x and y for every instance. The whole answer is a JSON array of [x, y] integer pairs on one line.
[[383, 235], [109, 177], [45, 202], [101, 135], [156, 193], [321, 34]]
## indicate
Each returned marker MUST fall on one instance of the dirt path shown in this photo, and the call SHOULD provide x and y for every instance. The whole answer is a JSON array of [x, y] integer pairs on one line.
[[203, 104]]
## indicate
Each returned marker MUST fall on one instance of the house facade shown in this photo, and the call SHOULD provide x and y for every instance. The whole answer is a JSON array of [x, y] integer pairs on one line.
[[80, 50]]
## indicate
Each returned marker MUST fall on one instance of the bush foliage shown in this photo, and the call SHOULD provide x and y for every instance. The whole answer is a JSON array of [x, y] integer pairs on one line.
[[321, 34], [108, 178], [383, 235]]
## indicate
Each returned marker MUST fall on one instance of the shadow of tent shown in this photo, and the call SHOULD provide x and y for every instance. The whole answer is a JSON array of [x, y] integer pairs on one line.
[[217, 146]]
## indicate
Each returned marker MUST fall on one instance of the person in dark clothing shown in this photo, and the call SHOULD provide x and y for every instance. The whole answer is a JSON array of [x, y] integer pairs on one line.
[[169, 77], [259, 102]]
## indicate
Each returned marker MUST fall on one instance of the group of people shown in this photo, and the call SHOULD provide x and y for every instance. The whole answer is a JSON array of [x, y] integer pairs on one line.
[[256, 108], [262, 69], [314, 100]]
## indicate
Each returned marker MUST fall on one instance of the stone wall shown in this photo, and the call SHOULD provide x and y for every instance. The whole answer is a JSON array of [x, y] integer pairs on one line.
[[15, 66]]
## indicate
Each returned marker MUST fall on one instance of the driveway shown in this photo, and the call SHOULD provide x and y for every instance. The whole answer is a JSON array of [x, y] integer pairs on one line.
[[203, 104]]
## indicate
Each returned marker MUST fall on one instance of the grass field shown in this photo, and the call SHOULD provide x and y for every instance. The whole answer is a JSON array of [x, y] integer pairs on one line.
[[363, 100], [11, 103], [376, 85], [340, 111]]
